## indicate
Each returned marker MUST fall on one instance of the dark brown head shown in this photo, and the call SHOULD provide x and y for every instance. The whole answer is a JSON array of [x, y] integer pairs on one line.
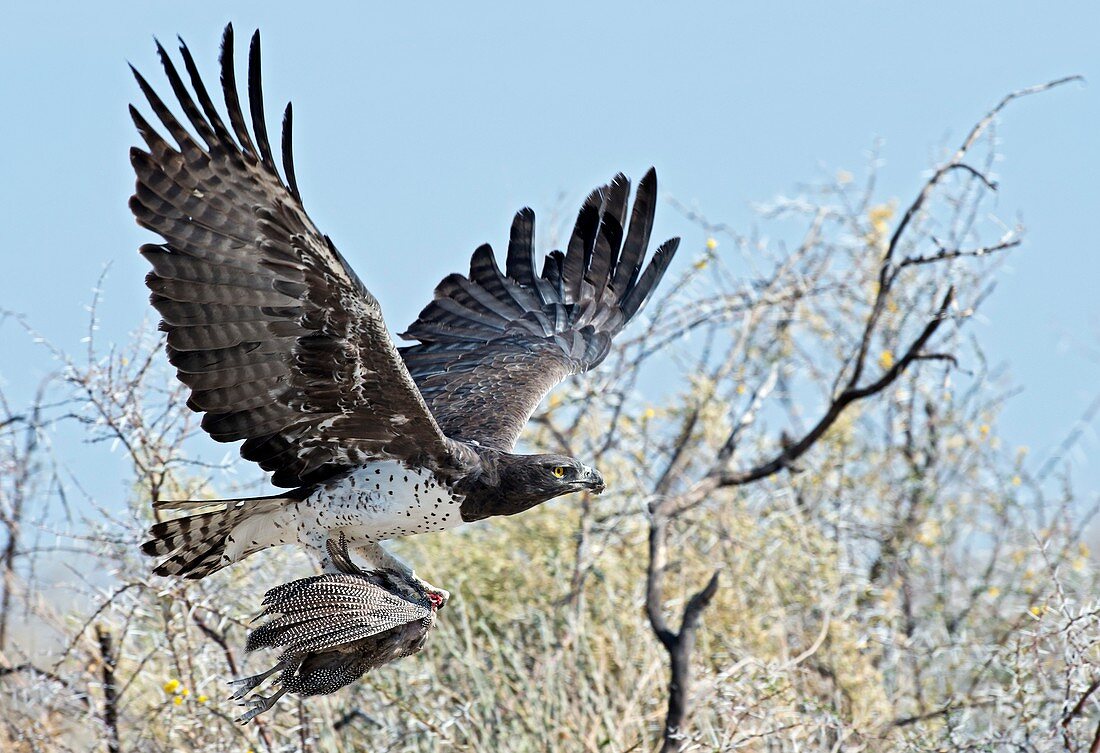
[[509, 484]]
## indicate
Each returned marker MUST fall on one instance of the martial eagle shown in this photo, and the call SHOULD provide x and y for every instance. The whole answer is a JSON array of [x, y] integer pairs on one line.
[[283, 346]]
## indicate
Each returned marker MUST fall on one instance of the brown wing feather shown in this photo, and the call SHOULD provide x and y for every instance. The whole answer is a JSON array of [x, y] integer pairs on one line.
[[279, 341], [492, 344]]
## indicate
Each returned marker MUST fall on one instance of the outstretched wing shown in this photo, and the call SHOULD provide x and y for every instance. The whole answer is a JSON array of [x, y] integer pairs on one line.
[[492, 344], [279, 341]]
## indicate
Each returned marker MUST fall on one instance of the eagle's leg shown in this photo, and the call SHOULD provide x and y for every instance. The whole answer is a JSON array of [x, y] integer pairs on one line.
[[378, 556]]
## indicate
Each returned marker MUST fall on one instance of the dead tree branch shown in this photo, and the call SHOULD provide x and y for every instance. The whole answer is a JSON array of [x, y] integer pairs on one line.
[[850, 388], [680, 643], [110, 690]]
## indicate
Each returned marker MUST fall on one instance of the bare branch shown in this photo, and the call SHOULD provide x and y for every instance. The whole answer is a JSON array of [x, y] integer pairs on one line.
[[947, 254], [110, 689]]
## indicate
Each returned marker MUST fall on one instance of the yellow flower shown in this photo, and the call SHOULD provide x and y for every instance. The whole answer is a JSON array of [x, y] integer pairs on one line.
[[741, 389], [701, 264], [1037, 610], [886, 359], [648, 414], [984, 430], [929, 533], [1016, 481], [993, 592], [203, 699], [177, 700], [879, 216], [185, 692], [171, 686], [711, 244]]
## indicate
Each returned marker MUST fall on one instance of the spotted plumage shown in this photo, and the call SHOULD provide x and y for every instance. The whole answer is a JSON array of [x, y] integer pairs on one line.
[[334, 628], [283, 347]]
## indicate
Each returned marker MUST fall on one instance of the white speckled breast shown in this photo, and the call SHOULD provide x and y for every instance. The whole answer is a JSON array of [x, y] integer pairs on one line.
[[378, 501]]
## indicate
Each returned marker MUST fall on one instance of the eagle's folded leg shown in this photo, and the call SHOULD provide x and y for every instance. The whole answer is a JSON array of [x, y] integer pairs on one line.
[[378, 556]]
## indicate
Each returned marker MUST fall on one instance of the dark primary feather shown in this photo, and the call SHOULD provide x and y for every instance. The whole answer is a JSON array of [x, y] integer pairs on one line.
[[279, 341], [492, 344]]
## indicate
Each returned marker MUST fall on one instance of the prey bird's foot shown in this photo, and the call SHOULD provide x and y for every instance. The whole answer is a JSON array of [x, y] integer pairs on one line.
[[249, 683], [258, 705]]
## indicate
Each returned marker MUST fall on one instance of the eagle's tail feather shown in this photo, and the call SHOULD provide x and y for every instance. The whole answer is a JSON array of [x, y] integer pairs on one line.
[[192, 504], [197, 545]]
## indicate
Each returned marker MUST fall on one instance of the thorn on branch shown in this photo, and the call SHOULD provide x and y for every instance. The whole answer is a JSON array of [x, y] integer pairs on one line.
[[47, 675]]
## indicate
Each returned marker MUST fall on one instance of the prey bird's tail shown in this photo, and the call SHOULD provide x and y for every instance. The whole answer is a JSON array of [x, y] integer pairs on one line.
[[226, 531]]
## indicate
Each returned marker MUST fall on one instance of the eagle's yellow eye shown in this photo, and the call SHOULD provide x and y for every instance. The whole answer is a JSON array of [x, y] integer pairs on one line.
[[559, 471]]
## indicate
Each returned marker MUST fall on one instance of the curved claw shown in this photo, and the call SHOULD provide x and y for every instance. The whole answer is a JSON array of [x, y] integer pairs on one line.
[[258, 708], [248, 683], [259, 704]]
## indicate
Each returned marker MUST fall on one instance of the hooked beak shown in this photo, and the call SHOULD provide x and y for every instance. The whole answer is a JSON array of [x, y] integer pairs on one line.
[[593, 480]]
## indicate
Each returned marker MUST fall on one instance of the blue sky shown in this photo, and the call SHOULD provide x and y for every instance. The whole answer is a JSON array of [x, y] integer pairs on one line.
[[420, 130]]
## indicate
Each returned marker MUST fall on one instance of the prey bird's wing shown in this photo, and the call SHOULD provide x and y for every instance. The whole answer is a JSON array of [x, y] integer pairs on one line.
[[325, 611], [279, 341], [492, 344]]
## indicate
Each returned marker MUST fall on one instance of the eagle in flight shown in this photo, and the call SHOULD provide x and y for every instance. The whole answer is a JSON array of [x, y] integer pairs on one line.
[[283, 346]]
